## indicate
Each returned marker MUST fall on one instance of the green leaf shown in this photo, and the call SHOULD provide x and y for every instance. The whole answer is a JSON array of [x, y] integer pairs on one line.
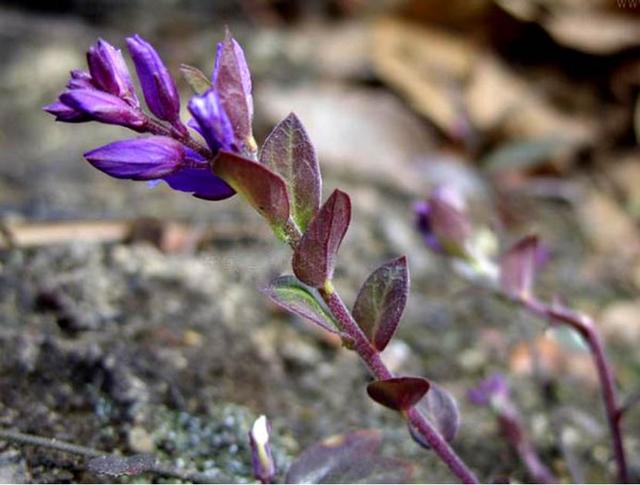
[[299, 299], [264, 190], [381, 301], [315, 256], [288, 152], [196, 79], [522, 154]]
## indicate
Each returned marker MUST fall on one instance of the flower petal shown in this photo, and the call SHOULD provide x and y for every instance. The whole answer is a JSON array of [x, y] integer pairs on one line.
[[201, 182], [139, 158]]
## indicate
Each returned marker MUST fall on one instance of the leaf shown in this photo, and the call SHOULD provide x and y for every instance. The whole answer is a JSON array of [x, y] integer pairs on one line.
[[518, 268], [315, 256], [196, 79], [296, 297], [441, 409], [113, 465], [523, 154], [288, 152], [348, 458], [265, 190], [398, 393], [381, 301], [232, 81]]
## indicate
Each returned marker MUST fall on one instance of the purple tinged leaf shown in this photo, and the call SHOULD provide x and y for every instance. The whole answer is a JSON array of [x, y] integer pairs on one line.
[[104, 107], [265, 190], [398, 393], [302, 300], [288, 151], [449, 221], [518, 268], [314, 258], [381, 301], [348, 458], [441, 409], [196, 79], [212, 121], [158, 86], [232, 82], [116, 466], [110, 73], [139, 158]]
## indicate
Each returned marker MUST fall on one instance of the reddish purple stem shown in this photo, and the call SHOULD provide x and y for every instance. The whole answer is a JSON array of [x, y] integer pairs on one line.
[[373, 361], [605, 374]]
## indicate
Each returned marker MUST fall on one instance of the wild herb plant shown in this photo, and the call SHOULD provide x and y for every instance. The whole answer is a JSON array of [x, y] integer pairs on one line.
[[213, 156], [447, 230]]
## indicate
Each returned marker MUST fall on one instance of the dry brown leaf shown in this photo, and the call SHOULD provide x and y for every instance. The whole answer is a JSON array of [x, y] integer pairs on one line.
[[594, 31], [621, 321], [608, 227], [497, 99], [425, 65], [360, 133], [625, 173]]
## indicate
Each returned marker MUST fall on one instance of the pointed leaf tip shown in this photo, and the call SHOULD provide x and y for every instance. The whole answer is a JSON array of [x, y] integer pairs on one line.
[[288, 151], [518, 267], [398, 393], [315, 256], [264, 190], [381, 301], [299, 299], [195, 78]]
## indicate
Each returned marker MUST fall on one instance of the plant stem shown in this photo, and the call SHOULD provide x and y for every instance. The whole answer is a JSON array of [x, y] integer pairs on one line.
[[372, 359], [156, 128], [586, 327], [63, 446]]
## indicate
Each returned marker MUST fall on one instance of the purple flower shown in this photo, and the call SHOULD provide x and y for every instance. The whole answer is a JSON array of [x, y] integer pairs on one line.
[[232, 81], [158, 86], [211, 121], [104, 107], [423, 224], [490, 390], [139, 158], [62, 112], [110, 73], [443, 222], [80, 80]]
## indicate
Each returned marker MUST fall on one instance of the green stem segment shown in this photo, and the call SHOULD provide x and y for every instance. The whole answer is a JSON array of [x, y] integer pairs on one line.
[[372, 359]]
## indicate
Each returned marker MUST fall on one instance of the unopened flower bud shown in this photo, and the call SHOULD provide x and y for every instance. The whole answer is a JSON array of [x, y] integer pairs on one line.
[[104, 107], [264, 468], [138, 159], [212, 121], [158, 86], [110, 73]]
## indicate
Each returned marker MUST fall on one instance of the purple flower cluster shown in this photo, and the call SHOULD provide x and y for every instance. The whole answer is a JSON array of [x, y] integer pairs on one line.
[[221, 116]]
